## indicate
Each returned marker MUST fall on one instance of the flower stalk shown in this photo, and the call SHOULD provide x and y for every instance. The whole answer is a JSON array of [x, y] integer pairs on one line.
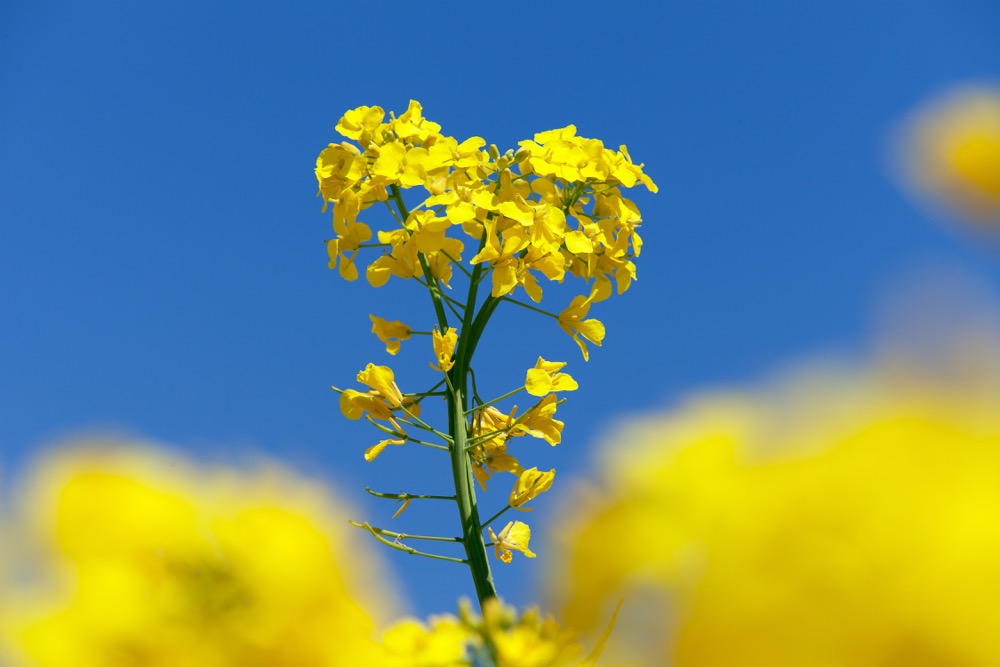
[[550, 209]]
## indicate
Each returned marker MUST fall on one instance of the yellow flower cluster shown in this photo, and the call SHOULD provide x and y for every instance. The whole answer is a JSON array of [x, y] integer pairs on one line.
[[838, 519], [555, 206], [159, 564]]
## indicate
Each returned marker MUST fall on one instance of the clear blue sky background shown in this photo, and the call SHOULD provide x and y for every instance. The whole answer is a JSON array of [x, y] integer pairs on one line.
[[162, 270]]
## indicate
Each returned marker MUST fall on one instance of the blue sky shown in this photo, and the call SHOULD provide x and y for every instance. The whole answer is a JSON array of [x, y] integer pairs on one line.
[[162, 271]]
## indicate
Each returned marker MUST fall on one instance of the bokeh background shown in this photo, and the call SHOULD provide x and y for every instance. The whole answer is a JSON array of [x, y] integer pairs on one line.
[[163, 272]]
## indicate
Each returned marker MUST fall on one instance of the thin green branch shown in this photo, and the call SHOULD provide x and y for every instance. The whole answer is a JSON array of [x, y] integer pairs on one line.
[[394, 214], [406, 496], [385, 429], [399, 435], [472, 443], [403, 536], [406, 549], [528, 306], [416, 421], [495, 400], [496, 516], [430, 392], [475, 390], [422, 443], [441, 294]]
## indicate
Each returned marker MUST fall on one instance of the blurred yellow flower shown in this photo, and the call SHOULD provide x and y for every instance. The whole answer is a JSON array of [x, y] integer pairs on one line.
[[950, 149], [160, 564], [499, 638], [838, 519], [441, 643]]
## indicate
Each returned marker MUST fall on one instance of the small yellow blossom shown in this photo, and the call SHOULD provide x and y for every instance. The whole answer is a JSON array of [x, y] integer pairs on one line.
[[354, 235], [382, 380], [538, 422], [354, 404], [514, 537], [490, 456], [444, 348], [360, 123], [545, 377], [529, 484], [381, 400], [390, 333], [572, 322]]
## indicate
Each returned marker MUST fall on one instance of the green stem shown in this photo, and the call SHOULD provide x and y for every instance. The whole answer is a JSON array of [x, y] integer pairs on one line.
[[465, 493], [461, 464]]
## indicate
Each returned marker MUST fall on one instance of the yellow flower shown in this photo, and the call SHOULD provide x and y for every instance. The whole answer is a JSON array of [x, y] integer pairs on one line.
[[353, 235], [354, 404], [545, 377], [390, 333], [383, 381], [514, 537], [168, 565], [380, 401], [951, 150], [538, 422], [444, 348], [412, 126], [338, 168], [835, 519], [360, 123], [572, 322], [529, 484]]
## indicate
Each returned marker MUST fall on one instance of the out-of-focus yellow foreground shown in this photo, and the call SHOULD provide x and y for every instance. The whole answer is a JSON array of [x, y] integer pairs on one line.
[[834, 519], [126, 556]]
